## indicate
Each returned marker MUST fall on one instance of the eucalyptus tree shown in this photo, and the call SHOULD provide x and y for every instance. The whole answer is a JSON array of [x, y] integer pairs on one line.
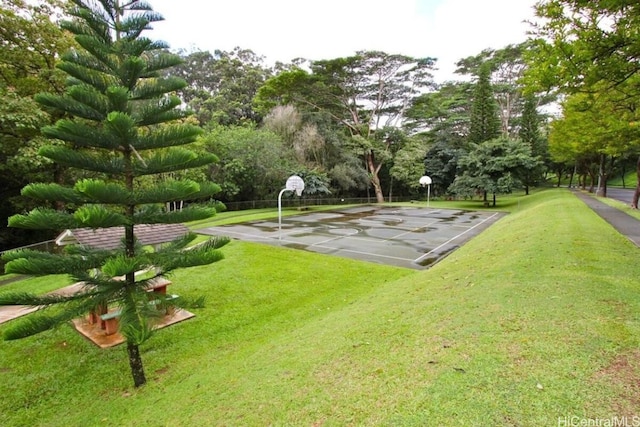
[[444, 113], [304, 138], [119, 126], [30, 44], [221, 85], [363, 94]]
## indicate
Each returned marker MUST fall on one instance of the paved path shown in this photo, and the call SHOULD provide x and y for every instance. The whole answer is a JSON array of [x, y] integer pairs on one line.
[[9, 312], [625, 224], [623, 194]]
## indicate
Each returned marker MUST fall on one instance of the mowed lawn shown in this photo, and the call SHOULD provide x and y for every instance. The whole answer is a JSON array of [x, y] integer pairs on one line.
[[536, 320]]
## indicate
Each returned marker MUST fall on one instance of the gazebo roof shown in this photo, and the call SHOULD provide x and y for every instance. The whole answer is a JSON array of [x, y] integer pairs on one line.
[[110, 238]]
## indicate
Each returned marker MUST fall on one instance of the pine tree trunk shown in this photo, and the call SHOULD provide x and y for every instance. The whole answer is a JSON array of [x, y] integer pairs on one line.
[[135, 362]]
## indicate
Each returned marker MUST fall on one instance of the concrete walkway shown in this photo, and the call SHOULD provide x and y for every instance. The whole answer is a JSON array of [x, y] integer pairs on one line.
[[625, 224], [9, 312]]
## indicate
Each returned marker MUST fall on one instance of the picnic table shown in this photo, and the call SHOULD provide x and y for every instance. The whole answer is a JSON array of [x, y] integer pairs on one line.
[[107, 319]]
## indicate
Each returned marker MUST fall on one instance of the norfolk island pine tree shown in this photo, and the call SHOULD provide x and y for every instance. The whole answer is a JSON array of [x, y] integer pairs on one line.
[[121, 126]]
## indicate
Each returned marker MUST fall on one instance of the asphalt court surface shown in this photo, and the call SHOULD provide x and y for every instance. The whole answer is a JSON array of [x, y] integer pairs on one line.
[[411, 237]]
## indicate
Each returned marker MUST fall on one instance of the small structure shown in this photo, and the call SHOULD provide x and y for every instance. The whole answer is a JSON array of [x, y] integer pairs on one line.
[[101, 325], [111, 238]]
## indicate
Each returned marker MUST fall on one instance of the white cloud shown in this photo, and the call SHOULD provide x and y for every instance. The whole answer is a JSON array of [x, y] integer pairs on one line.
[[282, 30]]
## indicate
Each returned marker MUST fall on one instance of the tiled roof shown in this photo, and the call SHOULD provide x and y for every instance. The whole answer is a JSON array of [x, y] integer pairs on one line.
[[110, 238]]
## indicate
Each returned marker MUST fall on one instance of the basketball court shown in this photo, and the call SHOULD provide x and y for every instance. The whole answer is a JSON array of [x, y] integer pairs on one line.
[[411, 237]]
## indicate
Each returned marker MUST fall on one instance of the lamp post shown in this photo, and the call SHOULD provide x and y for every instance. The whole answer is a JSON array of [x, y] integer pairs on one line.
[[294, 183], [425, 181]]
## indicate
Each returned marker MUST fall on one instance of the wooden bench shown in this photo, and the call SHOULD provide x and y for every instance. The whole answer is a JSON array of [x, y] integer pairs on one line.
[[158, 285], [166, 304], [110, 320]]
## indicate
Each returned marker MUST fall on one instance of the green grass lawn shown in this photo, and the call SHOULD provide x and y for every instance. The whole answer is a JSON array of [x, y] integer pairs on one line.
[[536, 319], [629, 181]]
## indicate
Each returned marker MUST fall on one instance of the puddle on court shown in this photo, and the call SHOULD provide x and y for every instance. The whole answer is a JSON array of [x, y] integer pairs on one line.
[[435, 258], [350, 216], [428, 261], [301, 235], [264, 228], [296, 246], [423, 229]]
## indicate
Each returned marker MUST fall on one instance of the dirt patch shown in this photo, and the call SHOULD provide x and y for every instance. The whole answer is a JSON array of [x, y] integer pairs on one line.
[[623, 375]]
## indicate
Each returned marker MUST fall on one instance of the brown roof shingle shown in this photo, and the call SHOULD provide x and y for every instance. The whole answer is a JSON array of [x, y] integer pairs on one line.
[[110, 238]]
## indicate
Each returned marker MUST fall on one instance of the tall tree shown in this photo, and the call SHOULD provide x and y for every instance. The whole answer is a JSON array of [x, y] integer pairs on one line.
[[364, 93], [594, 127], [589, 47], [30, 44], [492, 167], [444, 113], [119, 111], [221, 85], [506, 66], [20, 123], [485, 124], [529, 133]]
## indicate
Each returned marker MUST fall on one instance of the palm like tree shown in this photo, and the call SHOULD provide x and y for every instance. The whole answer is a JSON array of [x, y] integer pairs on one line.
[[122, 125]]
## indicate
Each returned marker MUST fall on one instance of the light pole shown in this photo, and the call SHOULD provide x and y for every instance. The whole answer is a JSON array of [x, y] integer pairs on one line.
[[425, 181], [294, 183]]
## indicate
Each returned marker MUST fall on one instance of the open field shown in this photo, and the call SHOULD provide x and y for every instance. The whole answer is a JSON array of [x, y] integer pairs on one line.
[[534, 320]]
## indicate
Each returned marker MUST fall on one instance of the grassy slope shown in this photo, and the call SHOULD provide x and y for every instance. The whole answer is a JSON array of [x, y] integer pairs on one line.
[[519, 327]]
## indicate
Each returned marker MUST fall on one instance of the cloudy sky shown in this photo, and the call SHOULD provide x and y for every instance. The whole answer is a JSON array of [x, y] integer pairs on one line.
[[281, 30]]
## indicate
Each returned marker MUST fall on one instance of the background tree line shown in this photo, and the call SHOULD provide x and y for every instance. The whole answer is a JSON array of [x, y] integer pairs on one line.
[[370, 124]]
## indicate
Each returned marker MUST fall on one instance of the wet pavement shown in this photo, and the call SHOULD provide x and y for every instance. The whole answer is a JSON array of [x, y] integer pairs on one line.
[[411, 237]]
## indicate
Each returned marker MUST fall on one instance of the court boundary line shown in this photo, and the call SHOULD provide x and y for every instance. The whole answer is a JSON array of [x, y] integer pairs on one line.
[[363, 253], [417, 260]]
